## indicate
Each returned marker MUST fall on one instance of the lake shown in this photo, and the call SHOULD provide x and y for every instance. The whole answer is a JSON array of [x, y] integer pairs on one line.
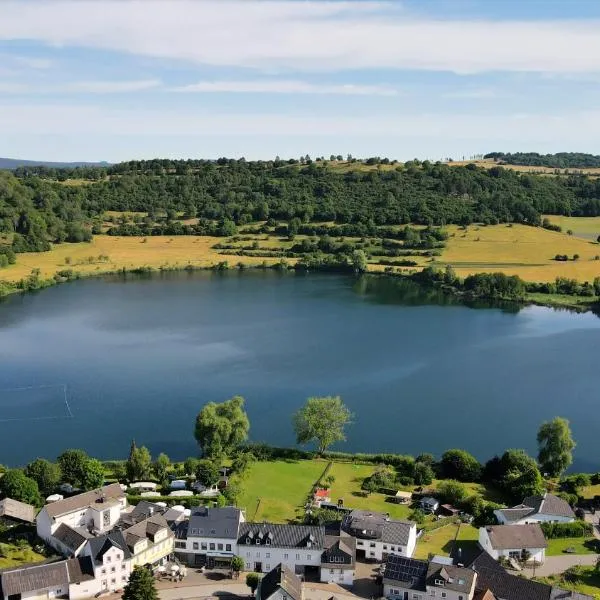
[[96, 363]]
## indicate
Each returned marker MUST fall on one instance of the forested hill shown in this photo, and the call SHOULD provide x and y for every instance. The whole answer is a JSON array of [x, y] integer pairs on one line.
[[560, 160], [38, 208], [15, 163]]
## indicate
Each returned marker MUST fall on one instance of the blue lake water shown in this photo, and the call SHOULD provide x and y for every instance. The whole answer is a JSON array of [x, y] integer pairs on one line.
[[95, 363]]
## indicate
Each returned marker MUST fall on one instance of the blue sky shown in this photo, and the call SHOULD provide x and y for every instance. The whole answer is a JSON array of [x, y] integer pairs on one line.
[[120, 79]]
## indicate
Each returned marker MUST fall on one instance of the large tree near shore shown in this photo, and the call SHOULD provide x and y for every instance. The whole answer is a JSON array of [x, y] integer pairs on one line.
[[221, 427], [322, 420], [556, 445]]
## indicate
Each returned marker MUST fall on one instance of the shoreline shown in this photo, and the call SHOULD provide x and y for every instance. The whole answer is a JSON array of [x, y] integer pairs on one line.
[[579, 304]]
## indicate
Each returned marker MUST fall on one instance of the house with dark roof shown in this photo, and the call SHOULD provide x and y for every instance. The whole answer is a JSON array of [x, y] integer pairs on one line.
[[280, 583], [264, 545], [150, 541], [48, 579], [547, 508], [209, 537], [518, 542], [13, 512], [378, 536], [338, 560]]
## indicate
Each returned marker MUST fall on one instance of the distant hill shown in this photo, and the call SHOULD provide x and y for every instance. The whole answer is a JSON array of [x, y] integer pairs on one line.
[[560, 160], [15, 163]]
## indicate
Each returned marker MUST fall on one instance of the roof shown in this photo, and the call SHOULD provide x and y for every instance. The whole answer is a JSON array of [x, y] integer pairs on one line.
[[549, 504], [146, 529], [73, 539], [505, 537], [559, 594], [458, 579], [484, 595], [217, 522], [516, 513], [322, 494], [402, 494], [85, 500], [410, 572], [13, 509], [335, 544], [377, 525], [429, 501], [282, 536], [101, 544], [281, 577], [33, 578], [80, 569]]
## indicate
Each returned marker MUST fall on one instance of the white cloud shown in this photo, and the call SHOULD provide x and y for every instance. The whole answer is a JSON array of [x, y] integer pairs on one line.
[[35, 63], [283, 86], [80, 87], [305, 35], [472, 94]]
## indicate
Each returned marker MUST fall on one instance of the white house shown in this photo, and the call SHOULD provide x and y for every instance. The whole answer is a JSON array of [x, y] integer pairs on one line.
[[265, 545], [279, 584], [537, 509], [209, 537], [378, 536], [338, 561], [150, 541], [407, 578], [519, 542], [86, 514]]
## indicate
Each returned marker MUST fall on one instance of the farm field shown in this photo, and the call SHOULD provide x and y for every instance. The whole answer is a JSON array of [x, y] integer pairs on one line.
[[281, 486], [519, 250], [585, 227]]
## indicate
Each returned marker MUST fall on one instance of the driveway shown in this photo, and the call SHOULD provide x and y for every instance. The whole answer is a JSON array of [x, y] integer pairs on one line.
[[558, 564]]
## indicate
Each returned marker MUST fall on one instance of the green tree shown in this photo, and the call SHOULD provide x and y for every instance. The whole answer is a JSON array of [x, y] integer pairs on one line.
[[189, 465], [161, 468], [141, 585], [451, 492], [459, 464], [207, 472], [556, 446], [237, 565], [417, 515], [139, 463], [45, 474], [16, 485], [516, 474], [370, 486], [252, 581], [93, 474], [242, 462], [423, 474], [72, 465], [322, 420], [222, 427], [359, 261]]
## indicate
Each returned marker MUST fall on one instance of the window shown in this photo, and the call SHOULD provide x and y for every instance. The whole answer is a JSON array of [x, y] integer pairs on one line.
[[385, 547], [248, 554], [268, 567], [213, 531], [106, 518], [123, 566], [331, 570], [203, 546], [443, 594], [268, 542], [258, 555], [359, 543], [179, 544], [286, 556], [248, 566], [195, 545], [267, 555], [372, 545], [248, 540], [228, 547], [439, 582], [257, 541], [113, 569], [113, 581], [108, 559], [297, 557], [103, 572], [212, 546], [219, 546], [461, 598], [123, 578], [308, 557], [416, 596]]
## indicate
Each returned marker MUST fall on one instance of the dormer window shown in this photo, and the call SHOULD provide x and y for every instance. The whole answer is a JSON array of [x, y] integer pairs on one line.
[[248, 540], [213, 531], [461, 582], [257, 541], [439, 582], [268, 541], [308, 544]]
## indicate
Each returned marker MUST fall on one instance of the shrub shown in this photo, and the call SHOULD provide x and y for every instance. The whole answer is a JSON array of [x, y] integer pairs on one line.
[[451, 492], [460, 465], [566, 530]]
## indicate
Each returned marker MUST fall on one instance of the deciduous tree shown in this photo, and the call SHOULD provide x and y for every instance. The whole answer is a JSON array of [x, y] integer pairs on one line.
[[556, 446], [139, 463], [460, 465], [161, 468], [72, 465], [45, 474], [16, 485], [141, 585], [207, 472]]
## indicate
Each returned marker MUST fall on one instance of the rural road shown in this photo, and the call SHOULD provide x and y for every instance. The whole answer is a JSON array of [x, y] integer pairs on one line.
[[558, 564]]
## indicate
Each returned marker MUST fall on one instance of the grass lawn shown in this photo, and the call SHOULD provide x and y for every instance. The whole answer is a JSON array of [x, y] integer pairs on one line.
[[557, 547], [519, 250], [282, 488], [347, 485], [440, 541], [590, 491], [12, 555], [588, 582], [585, 227]]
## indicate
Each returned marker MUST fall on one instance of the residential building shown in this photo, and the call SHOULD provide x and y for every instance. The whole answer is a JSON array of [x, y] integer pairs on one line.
[[45, 580], [378, 536], [321, 496], [410, 579], [279, 584], [265, 545], [428, 504], [537, 509], [338, 560], [150, 541], [209, 537], [518, 542], [13, 512], [95, 512]]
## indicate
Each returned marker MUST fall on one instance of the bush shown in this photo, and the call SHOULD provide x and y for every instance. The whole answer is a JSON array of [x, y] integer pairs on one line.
[[567, 530], [451, 492], [418, 516], [460, 465]]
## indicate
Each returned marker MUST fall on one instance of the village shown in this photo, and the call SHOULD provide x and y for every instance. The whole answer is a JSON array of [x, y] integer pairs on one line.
[[98, 539]]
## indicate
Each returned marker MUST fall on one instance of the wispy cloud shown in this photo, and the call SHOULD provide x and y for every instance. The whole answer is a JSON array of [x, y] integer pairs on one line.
[[472, 94], [286, 86], [324, 35], [34, 62], [80, 87]]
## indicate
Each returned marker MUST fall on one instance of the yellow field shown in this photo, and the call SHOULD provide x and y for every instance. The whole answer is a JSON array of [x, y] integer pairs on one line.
[[128, 252], [519, 250], [585, 227], [488, 163]]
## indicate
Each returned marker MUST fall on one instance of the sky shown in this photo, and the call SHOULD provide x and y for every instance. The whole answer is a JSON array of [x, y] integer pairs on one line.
[[123, 79]]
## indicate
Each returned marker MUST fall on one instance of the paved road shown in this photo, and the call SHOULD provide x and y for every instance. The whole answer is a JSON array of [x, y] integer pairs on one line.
[[558, 564]]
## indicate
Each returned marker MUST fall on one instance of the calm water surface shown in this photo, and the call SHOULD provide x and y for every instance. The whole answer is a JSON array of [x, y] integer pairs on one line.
[[139, 358]]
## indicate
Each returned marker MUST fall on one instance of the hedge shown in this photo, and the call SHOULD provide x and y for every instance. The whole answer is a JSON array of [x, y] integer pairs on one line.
[[566, 530]]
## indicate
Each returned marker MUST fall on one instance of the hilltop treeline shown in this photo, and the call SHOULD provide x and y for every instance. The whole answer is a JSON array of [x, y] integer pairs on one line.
[[222, 194], [560, 160]]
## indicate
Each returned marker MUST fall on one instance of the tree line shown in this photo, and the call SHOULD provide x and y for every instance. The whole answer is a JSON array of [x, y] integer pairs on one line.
[[559, 160]]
